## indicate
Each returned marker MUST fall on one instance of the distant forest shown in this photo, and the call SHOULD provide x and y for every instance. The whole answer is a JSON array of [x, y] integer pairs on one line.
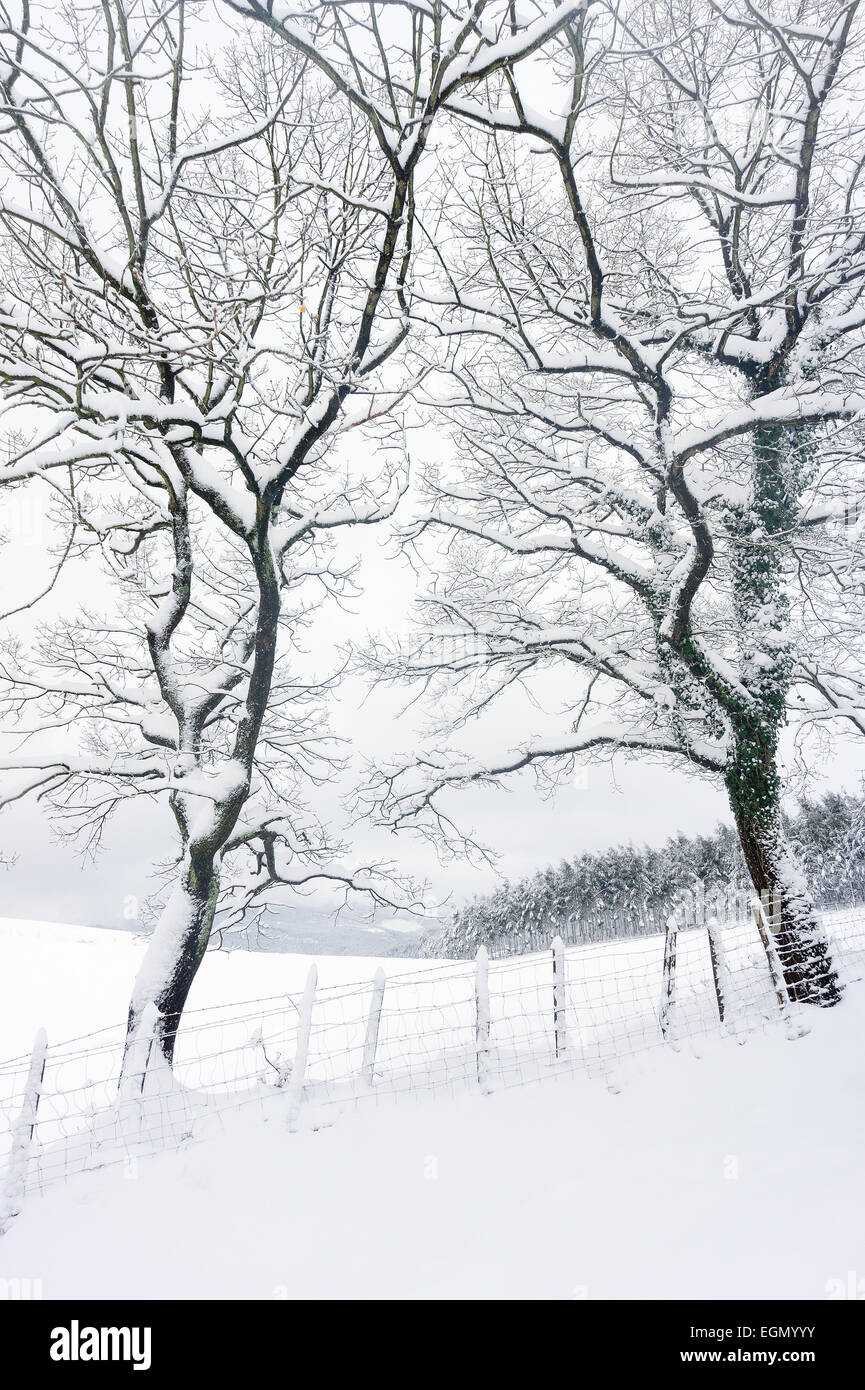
[[629, 890]]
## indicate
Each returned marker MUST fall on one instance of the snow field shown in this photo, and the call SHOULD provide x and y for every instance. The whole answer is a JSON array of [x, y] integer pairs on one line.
[[733, 1176], [244, 1056]]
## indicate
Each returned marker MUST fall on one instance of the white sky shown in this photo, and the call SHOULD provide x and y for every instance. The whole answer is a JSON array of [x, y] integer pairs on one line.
[[528, 830], [627, 801]]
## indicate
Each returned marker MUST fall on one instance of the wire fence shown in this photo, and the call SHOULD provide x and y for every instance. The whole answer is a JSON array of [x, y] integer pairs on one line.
[[302, 1059]]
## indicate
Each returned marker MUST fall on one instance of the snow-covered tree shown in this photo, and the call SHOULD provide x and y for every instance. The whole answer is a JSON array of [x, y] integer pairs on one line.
[[631, 890], [207, 233], [191, 326], [828, 689], [650, 272]]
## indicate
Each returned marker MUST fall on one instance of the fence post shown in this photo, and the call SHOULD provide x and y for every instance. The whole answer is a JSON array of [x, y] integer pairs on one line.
[[482, 1018], [138, 1052], [668, 991], [720, 971], [373, 1022], [560, 1025], [775, 969], [301, 1051], [12, 1195]]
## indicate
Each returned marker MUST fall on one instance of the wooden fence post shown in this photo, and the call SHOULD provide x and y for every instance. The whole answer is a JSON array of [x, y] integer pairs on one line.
[[792, 1029], [12, 1195], [775, 969], [373, 1022], [138, 1052], [301, 1051], [482, 1018], [668, 991], [720, 971], [560, 1026]]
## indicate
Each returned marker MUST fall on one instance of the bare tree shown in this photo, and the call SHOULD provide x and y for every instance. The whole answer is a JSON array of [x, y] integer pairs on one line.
[[206, 301], [187, 326], [650, 288], [827, 695]]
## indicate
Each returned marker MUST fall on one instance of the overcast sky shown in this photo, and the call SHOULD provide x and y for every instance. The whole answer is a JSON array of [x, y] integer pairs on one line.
[[605, 806], [602, 807]]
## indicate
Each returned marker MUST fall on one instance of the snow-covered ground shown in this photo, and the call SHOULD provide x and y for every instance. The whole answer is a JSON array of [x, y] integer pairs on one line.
[[734, 1174], [72, 980]]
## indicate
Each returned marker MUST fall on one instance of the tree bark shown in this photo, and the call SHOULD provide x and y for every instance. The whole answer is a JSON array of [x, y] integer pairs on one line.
[[180, 940], [176, 949], [761, 567], [754, 789]]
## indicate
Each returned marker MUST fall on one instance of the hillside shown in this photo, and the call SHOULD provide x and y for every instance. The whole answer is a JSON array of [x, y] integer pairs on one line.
[[560, 1190]]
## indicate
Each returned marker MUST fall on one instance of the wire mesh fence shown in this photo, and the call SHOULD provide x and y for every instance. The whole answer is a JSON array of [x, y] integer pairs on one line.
[[302, 1059]]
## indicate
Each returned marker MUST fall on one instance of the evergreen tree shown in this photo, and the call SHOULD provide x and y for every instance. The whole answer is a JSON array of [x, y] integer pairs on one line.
[[629, 890]]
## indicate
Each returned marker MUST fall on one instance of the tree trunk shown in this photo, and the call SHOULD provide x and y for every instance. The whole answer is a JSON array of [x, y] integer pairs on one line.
[[753, 785], [762, 565], [175, 950]]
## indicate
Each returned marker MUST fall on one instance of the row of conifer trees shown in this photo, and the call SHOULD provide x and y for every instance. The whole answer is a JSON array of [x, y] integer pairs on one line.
[[629, 890]]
